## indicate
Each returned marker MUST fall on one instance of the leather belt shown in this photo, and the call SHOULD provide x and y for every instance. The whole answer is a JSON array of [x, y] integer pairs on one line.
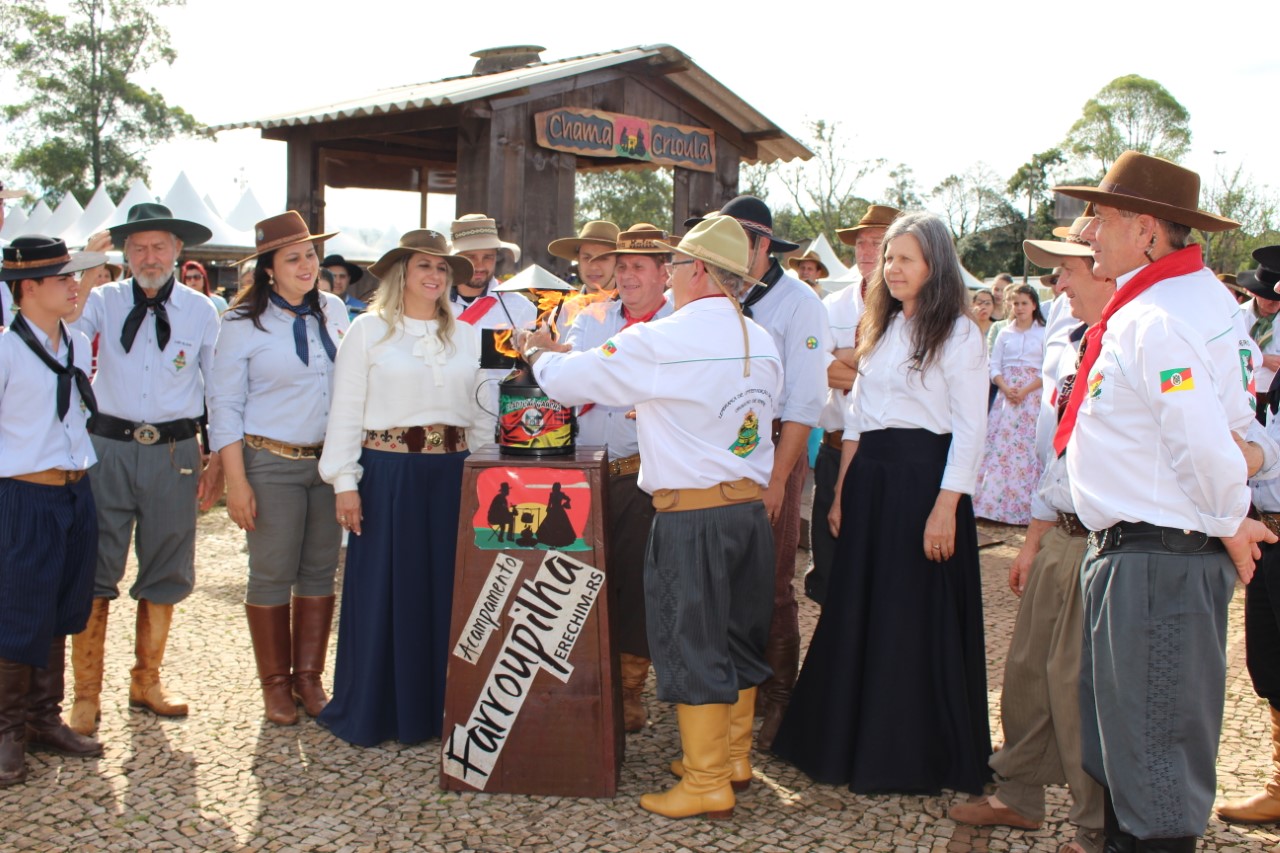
[[624, 466], [723, 494], [118, 429], [834, 439], [434, 438], [1071, 524], [284, 451], [1139, 535], [51, 477], [1270, 519]]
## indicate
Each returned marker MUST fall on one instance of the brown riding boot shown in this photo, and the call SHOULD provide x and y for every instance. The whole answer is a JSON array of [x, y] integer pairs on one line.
[[45, 729], [741, 717], [1263, 807], [145, 690], [312, 620], [783, 657], [635, 672], [269, 630], [15, 684], [88, 650], [704, 789]]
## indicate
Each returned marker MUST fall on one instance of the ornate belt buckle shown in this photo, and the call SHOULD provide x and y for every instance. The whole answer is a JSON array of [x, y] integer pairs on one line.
[[146, 434], [435, 438]]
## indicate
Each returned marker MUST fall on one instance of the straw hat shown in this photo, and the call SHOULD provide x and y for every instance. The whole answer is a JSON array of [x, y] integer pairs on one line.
[[1144, 184], [1050, 279], [811, 255], [476, 232], [877, 216], [34, 256], [424, 242], [1049, 253], [596, 231], [285, 229], [642, 239], [150, 216], [720, 241]]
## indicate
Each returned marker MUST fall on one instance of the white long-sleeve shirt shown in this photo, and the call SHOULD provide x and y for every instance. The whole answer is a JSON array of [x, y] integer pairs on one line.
[[31, 436], [844, 309], [1016, 347]]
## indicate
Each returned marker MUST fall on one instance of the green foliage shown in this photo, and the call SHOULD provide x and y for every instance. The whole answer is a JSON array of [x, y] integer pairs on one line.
[[624, 197], [1130, 112], [822, 189], [85, 121], [1235, 196], [997, 247], [902, 192]]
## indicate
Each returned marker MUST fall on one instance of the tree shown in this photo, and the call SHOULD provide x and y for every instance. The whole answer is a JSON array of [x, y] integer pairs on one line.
[[1130, 112], [822, 189], [1235, 196], [1032, 180], [902, 193], [85, 121], [970, 202], [625, 196]]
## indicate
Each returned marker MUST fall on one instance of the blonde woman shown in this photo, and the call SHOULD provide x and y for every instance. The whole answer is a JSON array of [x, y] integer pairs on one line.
[[403, 411]]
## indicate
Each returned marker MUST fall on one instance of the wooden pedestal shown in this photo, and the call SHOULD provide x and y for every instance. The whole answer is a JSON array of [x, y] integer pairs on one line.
[[533, 702]]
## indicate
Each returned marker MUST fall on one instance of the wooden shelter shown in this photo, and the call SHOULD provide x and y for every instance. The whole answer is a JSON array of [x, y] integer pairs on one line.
[[509, 138]]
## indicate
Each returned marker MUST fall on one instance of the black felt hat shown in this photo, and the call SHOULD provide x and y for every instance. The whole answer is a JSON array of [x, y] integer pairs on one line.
[[754, 216], [34, 256], [355, 272], [150, 216]]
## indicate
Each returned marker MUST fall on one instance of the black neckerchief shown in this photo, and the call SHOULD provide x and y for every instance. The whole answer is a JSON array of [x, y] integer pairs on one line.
[[467, 300], [67, 373], [141, 302], [769, 279]]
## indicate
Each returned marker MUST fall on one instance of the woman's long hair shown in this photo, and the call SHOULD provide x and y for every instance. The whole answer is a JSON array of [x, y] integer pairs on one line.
[[252, 301], [1029, 291], [942, 299], [388, 302]]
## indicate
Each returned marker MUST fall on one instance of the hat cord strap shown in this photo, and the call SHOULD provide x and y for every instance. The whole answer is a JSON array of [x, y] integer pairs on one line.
[[742, 321]]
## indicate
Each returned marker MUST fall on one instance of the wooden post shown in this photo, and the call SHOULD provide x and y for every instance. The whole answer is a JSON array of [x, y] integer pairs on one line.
[[305, 192]]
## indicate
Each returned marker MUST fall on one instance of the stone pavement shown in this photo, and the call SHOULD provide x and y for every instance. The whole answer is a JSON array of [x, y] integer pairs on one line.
[[223, 780]]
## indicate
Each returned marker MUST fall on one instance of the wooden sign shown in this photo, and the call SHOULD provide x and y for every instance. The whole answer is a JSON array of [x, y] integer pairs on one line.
[[591, 133]]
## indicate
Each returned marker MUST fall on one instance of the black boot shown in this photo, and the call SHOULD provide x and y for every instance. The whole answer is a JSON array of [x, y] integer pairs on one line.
[[1186, 844], [1116, 840], [15, 681], [45, 729]]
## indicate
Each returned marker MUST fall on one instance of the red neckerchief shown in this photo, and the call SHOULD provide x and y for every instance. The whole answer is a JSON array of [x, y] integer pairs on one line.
[[477, 309], [1182, 262], [628, 320]]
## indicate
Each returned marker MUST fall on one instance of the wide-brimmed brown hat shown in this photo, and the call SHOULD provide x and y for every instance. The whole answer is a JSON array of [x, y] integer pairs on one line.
[[11, 193], [35, 256], [810, 255], [1141, 183], [150, 216], [476, 232], [1049, 253], [877, 216], [423, 241], [596, 231], [284, 229], [642, 239], [1050, 279]]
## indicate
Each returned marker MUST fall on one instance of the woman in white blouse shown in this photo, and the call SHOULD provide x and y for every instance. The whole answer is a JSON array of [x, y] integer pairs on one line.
[[893, 693], [404, 408], [272, 388], [1010, 469]]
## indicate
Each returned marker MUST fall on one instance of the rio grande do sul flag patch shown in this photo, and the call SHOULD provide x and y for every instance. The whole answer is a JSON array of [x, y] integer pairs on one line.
[[1177, 379]]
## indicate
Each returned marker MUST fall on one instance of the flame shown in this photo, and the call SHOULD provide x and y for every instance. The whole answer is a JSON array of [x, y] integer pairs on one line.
[[579, 302], [549, 303], [502, 343]]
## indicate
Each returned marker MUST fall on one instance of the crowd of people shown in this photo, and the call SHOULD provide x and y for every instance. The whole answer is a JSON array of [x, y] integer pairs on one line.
[[1128, 423]]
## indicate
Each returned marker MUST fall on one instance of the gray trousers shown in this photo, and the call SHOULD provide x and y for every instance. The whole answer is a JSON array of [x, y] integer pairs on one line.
[[708, 577], [1040, 702], [145, 485], [295, 546], [1152, 683]]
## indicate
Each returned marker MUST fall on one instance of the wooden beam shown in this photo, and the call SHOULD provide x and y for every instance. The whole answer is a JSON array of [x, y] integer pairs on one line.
[[431, 118], [304, 190]]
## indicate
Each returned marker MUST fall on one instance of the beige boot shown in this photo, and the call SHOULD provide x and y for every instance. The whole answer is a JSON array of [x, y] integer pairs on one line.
[[635, 672], [1263, 807], [704, 789], [740, 720], [145, 690], [88, 650]]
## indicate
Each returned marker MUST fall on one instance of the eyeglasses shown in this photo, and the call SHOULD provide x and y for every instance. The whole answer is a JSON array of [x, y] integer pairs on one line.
[[671, 265]]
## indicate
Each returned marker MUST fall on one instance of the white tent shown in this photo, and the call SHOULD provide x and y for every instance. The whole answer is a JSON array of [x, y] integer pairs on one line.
[[96, 214], [15, 224], [389, 240], [38, 218], [66, 215], [247, 212], [821, 247], [208, 202], [185, 203], [139, 193], [351, 248]]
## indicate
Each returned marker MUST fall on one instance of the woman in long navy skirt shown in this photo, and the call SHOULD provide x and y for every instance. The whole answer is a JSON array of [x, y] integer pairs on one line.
[[893, 693], [404, 402]]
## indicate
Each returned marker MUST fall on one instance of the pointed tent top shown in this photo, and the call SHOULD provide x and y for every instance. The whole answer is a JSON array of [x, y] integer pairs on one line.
[[66, 215], [185, 202], [247, 212], [208, 202], [38, 218], [139, 193], [15, 224], [821, 247], [351, 247], [96, 213], [533, 277]]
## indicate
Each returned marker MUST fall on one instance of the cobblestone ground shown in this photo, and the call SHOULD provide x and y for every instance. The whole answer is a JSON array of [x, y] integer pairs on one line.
[[224, 780]]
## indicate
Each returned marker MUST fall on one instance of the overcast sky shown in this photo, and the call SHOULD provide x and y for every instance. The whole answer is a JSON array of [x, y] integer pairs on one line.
[[939, 86]]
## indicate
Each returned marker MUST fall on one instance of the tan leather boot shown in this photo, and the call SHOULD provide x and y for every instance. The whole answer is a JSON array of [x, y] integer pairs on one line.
[[145, 690], [88, 650], [269, 630], [635, 672], [704, 789], [740, 720], [1263, 807], [45, 729], [312, 620]]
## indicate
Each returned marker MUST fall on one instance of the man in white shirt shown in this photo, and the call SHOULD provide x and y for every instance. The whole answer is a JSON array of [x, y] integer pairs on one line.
[[1260, 317], [705, 383], [844, 310], [155, 362], [591, 254], [47, 517], [1155, 474]]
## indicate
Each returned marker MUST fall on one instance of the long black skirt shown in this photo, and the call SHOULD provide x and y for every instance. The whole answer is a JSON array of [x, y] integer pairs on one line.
[[893, 693]]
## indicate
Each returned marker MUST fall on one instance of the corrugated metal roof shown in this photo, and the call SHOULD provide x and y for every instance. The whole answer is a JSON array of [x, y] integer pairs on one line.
[[457, 90]]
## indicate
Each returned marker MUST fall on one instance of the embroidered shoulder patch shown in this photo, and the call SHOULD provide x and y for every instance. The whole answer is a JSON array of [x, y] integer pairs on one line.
[[811, 342], [608, 348], [1095, 384], [748, 435], [1177, 379]]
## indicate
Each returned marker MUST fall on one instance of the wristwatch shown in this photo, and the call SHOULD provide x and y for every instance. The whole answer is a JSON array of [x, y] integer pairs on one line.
[[531, 352]]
